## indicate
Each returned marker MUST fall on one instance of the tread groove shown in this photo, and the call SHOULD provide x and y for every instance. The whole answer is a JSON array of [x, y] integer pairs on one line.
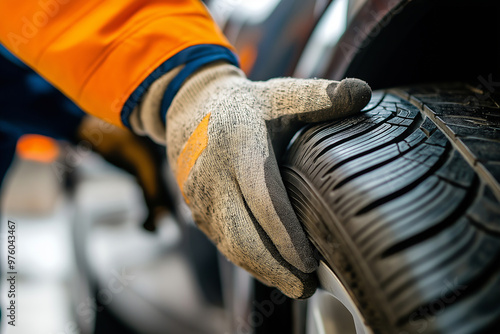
[[404, 190], [462, 209]]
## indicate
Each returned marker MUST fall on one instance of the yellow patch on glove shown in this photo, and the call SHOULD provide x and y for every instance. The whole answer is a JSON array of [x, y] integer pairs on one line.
[[191, 151]]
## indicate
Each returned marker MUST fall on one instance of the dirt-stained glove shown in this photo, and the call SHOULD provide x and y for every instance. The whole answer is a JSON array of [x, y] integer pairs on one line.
[[219, 140]]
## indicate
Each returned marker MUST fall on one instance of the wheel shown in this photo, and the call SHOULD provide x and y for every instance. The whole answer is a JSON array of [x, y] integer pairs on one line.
[[403, 204]]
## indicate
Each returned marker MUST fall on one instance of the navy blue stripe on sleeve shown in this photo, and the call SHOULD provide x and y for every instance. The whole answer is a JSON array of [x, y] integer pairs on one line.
[[193, 58]]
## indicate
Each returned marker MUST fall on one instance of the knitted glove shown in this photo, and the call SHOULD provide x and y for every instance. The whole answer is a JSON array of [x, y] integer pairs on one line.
[[220, 133]]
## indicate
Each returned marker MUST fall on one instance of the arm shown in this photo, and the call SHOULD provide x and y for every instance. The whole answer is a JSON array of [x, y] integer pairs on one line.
[[30, 105], [80, 45]]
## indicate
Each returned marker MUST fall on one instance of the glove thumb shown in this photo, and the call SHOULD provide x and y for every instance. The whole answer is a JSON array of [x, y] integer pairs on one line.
[[316, 100]]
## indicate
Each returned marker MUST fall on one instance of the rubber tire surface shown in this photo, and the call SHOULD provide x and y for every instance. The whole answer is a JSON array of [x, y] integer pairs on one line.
[[402, 202]]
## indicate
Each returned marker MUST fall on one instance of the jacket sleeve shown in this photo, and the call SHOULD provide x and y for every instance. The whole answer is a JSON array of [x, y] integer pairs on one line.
[[105, 54]]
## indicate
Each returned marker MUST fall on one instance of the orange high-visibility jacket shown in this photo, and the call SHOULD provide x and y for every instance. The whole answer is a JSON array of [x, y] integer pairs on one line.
[[103, 54]]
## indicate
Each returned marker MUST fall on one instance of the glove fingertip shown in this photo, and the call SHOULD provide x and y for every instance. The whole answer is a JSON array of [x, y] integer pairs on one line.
[[349, 96], [149, 224], [309, 285]]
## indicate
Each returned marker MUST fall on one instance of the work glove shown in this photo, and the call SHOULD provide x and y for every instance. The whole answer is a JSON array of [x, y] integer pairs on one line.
[[220, 133]]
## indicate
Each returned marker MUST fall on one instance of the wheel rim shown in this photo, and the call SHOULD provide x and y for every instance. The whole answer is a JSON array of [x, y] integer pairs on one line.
[[332, 310]]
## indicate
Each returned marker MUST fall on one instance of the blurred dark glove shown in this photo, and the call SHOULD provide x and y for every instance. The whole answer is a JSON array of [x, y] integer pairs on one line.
[[137, 155], [220, 133]]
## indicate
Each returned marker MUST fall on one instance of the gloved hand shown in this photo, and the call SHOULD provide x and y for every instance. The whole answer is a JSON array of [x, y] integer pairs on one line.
[[220, 130]]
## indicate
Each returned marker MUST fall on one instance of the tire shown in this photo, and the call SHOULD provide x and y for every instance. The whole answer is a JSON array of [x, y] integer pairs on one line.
[[403, 204]]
